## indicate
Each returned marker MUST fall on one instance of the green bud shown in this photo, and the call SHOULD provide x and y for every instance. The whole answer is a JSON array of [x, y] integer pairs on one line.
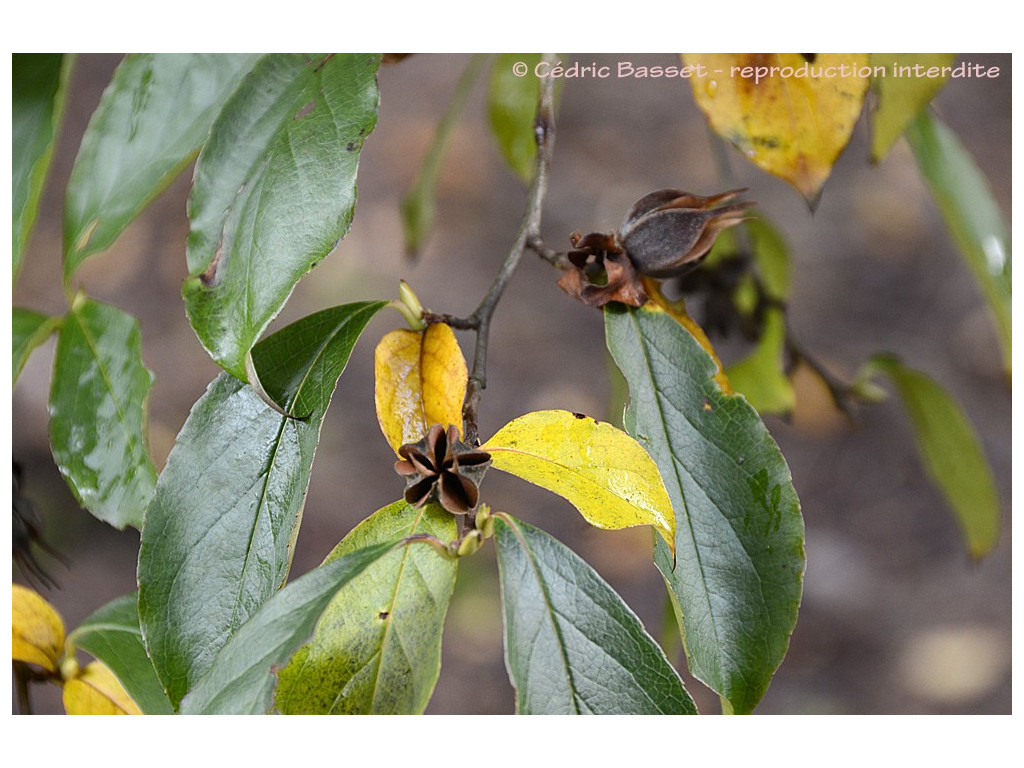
[[470, 544], [485, 522], [410, 307]]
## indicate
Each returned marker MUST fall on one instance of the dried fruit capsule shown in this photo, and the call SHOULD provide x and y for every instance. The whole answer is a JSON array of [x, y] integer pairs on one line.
[[662, 235], [668, 230]]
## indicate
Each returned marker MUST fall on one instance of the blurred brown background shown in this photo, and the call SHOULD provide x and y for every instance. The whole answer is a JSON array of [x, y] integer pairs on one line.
[[895, 619]]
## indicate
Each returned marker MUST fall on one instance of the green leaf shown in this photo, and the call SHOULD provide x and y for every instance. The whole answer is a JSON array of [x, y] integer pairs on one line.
[[112, 635], [739, 534], [38, 90], [902, 92], [760, 376], [950, 452], [232, 493], [971, 215], [241, 680], [150, 123], [29, 329], [417, 206], [98, 413], [771, 257], [572, 646], [512, 108], [598, 468], [274, 192], [377, 647]]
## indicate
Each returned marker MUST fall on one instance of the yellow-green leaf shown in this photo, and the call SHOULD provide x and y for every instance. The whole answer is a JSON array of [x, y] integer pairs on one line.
[[601, 470], [911, 80], [950, 450], [37, 632], [791, 114], [420, 381], [760, 376], [96, 691]]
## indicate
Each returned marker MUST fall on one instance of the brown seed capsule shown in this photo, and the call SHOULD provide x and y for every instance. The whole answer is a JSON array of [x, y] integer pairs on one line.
[[663, 235], [668, 230], [442, 468]]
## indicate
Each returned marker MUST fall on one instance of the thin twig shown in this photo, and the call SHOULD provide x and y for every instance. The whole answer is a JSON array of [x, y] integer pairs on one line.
[[529, 230], [552, 257]]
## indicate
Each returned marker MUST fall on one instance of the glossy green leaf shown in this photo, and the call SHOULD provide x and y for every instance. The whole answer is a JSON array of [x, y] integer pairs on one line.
[[377, 647], [38, 90], [274, 192], [232, 493], [299, 361], [738, 575], [112, 635], [242, 678], [971, 214], [598, 468], [761, 377], [98, 413], [417, 208], [572, 646], [950, 452], [904, 90], [29, 330], [512, 108], [150, 123]]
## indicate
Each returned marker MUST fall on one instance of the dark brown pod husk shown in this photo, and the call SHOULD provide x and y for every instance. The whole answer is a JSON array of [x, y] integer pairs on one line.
[[667, 231], [442, 468], [662, 235]]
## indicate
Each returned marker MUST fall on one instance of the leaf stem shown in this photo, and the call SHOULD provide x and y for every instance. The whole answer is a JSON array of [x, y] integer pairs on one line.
[[841, 393]]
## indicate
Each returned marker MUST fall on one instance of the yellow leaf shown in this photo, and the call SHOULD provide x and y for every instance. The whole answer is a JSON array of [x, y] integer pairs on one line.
[[791, 114], [601, 470], [36, 628], [96, 691], [420, 381], [677, 310], [909, 83]]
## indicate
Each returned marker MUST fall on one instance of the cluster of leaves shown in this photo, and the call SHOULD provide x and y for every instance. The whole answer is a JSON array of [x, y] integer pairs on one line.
[[216, 626], [796, 128]]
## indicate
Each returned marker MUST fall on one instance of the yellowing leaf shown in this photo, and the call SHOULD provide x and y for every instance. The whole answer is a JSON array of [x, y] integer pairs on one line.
[[791, 114], [601, 470], [96, 691], [420, 381], [677, 310], [910, 81], [37, 632]]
